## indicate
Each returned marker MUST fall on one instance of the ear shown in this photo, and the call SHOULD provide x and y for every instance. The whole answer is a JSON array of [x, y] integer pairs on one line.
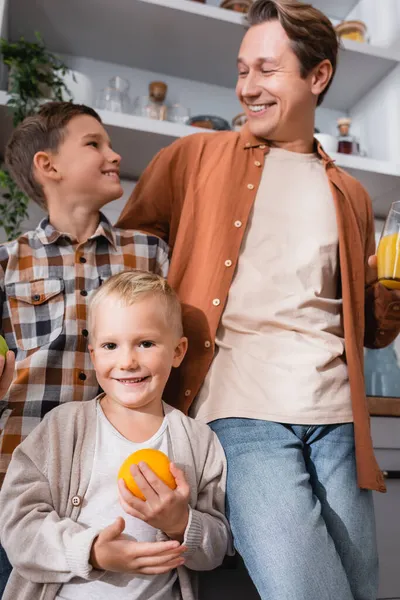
[[180, 351], [92, 354], [43, 163], [320, 77]]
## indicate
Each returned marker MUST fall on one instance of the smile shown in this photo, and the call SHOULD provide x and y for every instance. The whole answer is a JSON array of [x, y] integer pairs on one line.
[[133, 380], [259, 108], [112, 174]]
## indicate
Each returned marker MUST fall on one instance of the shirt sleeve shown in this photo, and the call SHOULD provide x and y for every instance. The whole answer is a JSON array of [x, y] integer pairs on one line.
[[156, 202]]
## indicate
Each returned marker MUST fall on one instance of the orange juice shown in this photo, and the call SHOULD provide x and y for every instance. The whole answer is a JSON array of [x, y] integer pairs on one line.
[[389, 261]]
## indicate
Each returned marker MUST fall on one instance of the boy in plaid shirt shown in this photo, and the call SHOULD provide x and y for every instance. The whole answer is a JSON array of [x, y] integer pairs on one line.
[[62, 159]]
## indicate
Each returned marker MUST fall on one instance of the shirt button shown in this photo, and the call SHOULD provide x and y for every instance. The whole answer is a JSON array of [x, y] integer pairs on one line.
[[82, 376], [396, 307], [36, 298], [83, 293], [85, 332], [76, 501], [82, 259], [216, 301], [238, 223], [228, 263], [188, 392], [207, 344], [262, 147], [250, 186], [257, 163]]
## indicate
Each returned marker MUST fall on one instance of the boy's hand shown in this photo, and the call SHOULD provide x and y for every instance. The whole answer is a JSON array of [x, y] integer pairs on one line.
[[164, 508], [7, 366], [111, 551]]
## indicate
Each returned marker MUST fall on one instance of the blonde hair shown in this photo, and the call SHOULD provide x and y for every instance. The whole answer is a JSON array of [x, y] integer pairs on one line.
[[133, 286]]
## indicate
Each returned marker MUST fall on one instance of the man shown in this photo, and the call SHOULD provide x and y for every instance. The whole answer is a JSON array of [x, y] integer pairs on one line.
[[270, 250]]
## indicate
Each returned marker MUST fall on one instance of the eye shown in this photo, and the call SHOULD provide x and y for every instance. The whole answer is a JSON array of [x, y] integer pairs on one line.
[[268, 71], [109, 346], [242, 73], [93, 143], [146, 344]]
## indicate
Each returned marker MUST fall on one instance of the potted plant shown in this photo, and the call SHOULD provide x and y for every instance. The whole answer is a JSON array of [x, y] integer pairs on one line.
[[35, 74]]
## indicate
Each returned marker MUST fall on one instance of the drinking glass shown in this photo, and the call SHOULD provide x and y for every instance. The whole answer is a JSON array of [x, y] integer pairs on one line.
[[110, 99], [178, 114], [389, 250]]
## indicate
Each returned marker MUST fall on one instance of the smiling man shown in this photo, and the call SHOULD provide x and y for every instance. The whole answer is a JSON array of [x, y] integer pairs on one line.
[[271, 247]]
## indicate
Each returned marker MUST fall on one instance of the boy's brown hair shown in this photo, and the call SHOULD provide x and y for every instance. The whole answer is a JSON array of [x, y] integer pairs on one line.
[[41, 132], [311, 34]]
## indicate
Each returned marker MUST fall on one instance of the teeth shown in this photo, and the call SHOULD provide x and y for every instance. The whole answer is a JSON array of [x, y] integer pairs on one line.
[[137, 380], [257, 108]]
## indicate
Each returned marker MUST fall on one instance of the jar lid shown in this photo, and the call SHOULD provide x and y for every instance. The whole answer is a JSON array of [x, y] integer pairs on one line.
[[348, 26]]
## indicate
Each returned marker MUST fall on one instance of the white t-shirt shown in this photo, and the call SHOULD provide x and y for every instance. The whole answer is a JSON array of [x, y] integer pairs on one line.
[[280, 344], [101, 507]]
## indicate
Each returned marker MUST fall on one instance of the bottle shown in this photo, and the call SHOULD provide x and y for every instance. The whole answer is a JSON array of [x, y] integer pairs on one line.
[[157, 94], [347, 144]]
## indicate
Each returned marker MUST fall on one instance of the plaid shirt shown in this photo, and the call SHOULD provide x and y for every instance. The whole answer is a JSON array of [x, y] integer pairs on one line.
[[46, 279]]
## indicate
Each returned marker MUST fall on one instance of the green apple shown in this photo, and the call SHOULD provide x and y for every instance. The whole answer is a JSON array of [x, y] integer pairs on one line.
[[3, 346]]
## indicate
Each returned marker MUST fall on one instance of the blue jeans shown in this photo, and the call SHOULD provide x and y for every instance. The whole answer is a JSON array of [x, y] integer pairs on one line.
[[5, 570], [303, 527]]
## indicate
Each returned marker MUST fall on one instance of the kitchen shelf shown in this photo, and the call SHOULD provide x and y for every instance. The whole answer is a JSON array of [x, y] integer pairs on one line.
[[138, 139], [180, 38], [336, 9]]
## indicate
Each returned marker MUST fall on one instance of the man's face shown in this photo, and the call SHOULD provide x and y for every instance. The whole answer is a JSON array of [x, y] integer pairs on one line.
[[277, 101]]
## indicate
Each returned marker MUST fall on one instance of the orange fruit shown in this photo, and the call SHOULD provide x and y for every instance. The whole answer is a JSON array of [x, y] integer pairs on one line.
[[156, 460]]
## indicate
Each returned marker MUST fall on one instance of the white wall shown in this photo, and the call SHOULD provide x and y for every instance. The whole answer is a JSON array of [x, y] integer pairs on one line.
[[3, 34], [376, 118]]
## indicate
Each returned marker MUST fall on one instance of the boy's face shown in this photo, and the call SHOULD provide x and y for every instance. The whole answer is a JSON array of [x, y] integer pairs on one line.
[[85, 163], [133, 350]]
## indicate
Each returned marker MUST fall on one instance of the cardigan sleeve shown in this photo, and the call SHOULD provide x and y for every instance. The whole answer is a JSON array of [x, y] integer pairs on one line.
[[42, 545], [207, 534]]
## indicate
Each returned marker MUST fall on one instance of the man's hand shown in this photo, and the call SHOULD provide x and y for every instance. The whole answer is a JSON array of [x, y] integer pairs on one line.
[[372, 274], [164, 508], [111, 551], [7, 366]]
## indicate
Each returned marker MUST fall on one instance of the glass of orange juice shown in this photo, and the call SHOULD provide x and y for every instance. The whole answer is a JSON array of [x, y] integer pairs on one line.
[[389, 250]]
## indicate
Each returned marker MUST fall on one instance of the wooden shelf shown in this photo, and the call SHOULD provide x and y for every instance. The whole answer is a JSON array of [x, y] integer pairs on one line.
[[138, 139], [383, 407], [181, 38]]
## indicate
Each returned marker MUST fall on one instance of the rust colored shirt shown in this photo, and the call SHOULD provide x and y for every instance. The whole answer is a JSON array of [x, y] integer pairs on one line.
[[197, 194]]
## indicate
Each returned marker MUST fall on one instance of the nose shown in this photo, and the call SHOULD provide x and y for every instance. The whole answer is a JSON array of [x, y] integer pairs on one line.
[[249, 87], [128, 360], [113, 157]]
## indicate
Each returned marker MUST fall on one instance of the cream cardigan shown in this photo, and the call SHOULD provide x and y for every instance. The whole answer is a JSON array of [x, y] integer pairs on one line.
[[46, 484]]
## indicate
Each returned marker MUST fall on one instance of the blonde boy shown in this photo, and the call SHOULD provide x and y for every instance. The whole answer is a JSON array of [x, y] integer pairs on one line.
[[70, 531]]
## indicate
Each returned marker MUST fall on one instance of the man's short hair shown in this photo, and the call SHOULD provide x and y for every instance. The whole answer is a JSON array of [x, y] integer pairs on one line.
[[311, 34], [41, 132], [134, 286]]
